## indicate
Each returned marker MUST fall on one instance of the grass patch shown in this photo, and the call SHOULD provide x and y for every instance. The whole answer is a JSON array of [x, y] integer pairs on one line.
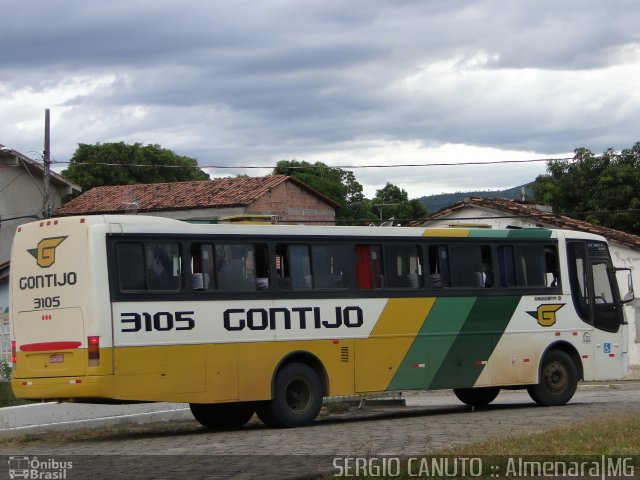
[[613, 437], [610, 436]]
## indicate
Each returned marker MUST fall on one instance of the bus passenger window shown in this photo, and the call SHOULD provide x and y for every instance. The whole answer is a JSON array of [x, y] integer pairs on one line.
[[528, 266], [369, 266], [404, 266], [552, 270], [329, 264], [164, 266], [487, 266], [130, 259], [235, 267], [293, 266], [466, 266], [202, 267], [439, 266]]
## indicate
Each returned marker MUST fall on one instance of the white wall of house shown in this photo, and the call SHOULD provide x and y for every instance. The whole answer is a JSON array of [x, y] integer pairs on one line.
[[622, 256]]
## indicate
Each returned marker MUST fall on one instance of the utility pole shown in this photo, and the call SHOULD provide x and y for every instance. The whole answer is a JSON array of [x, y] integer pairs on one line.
[[46, 207]]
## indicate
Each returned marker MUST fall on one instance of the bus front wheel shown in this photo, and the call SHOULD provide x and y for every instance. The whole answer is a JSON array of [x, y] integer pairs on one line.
[[222, 415], [558, 380], [297, 397], [477, 397]]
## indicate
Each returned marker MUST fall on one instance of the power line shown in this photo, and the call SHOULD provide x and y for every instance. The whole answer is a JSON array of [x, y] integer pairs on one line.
[[311, 166]]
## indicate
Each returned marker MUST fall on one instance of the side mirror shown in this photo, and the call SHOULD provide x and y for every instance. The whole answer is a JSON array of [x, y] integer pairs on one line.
[[629, 296]]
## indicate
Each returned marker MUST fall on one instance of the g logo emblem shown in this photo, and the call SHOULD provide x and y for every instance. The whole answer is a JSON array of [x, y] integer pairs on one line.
[[546, 314], [45, 254]]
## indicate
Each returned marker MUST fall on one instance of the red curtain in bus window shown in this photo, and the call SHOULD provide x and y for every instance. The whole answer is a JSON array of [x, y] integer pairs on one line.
[[363, 267], [369, 266]]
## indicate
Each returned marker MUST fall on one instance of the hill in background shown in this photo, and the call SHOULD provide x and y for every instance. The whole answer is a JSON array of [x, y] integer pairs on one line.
[[443, 200]]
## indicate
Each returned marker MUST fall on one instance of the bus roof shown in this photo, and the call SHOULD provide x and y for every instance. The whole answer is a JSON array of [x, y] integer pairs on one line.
[[151, 224]]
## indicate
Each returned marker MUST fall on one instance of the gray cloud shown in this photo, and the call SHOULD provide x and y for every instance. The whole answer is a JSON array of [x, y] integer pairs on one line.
[[252, 82]]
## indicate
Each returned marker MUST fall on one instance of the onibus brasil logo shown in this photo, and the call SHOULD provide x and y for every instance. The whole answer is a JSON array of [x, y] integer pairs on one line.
[[45, 253], [33, 468]]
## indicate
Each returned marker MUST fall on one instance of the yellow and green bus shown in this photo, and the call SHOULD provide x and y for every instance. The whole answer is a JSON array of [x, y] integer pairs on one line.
[[271, 319]]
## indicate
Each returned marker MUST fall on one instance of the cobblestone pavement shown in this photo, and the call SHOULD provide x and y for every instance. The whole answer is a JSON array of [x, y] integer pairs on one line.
[[431, 421]]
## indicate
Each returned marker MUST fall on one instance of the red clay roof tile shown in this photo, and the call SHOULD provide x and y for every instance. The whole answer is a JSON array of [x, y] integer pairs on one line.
[[226, 192]]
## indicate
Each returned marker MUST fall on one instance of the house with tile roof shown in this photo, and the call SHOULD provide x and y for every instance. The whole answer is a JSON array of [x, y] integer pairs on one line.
[[282, 196], [503, 213]]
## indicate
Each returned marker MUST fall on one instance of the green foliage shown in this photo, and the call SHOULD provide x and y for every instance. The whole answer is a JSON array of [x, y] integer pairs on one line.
[[339, 185], [108, 164], [342, 187], [7, 398], [595, 185], [394, 202], [5, 371]]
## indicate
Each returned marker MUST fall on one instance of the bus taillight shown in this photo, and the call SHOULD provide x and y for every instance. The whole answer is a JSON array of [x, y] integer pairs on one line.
[[94, 351], [14, 356]]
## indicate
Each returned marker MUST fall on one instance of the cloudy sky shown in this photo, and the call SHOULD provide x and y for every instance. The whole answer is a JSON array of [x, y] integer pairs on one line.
[[348, 83]]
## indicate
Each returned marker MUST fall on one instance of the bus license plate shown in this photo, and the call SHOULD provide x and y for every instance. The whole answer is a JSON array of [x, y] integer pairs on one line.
[[56, 358]]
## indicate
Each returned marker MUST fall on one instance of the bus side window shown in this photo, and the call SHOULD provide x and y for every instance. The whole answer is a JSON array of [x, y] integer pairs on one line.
[[369, 266], [329, 264], [578, 279], [466, 266], [202, 267], [528, 266], [235, 266], [130, 259], [404, 266], [164, 266], [293, 266], [439, 266], [552, 270]]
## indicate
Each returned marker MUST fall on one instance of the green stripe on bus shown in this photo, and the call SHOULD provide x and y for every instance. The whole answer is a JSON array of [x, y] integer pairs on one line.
[[473, 346], [488, 233], [433, 341]]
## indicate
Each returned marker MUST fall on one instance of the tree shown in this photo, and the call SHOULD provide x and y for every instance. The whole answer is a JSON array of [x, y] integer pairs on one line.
[[392, 201], [337, 184], [603, 190], [123, 164]]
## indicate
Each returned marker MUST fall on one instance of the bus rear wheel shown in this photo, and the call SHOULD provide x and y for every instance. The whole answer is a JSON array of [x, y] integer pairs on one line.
[[477, 397], [297, 398], [221, 416], [558, 380]]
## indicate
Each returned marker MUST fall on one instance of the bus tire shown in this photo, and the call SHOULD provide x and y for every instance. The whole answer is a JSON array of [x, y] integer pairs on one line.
[[477, 397], [558, 380], [222, 416], [297, 398]]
